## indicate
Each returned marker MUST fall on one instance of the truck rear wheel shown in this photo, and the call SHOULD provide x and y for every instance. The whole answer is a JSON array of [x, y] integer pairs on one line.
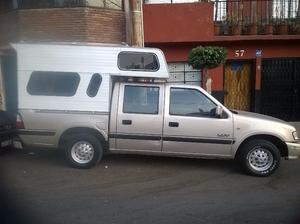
[[260, 157], [83, 151]]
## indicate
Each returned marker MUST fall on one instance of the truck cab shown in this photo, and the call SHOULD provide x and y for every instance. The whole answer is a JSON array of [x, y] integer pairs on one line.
[[169, 119]]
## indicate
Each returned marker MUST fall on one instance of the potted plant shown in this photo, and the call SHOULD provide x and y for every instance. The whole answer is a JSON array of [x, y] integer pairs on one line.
[[252, 19], [268, 27], [281, 22], [295, 27], [217, 28], [252, 28], [235, 24], [206, 58], [282, 27], [267, 24]]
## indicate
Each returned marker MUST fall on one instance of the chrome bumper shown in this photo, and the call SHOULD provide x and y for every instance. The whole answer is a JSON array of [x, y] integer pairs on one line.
[[293, 150]]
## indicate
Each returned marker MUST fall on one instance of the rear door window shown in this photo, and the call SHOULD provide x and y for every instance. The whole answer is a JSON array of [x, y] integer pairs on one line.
[[141, 99]]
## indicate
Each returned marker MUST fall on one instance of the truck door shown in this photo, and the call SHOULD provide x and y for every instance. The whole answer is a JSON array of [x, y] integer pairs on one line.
[[191, 126], [139, 117]]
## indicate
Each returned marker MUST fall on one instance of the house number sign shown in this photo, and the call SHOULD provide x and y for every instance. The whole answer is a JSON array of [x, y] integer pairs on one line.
[[239, 53]]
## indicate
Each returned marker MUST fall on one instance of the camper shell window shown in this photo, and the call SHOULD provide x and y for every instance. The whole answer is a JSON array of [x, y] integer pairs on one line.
[[53, 83], [138, 61], [94, 85]]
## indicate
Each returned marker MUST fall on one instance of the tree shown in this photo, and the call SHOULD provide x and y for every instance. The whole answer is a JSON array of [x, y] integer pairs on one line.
[[207, 58]]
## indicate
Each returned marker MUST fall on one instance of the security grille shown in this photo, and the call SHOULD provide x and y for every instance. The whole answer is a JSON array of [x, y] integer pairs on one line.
[[182, 73], [280, 91]]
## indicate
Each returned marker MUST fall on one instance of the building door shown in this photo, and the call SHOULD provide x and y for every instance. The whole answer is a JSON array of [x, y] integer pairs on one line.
[[280, 88], [238, 84]]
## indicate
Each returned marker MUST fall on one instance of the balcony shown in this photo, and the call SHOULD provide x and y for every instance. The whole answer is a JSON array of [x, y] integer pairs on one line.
[[256, 17], [194, 21]]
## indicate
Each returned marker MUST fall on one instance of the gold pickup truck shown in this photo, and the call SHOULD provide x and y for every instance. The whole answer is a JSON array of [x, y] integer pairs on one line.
[[164, 119], [89, 99]]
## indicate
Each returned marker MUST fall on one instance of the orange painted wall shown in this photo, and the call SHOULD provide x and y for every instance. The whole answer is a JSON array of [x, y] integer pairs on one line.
[[177, 28], [179, 53], [188, 22]]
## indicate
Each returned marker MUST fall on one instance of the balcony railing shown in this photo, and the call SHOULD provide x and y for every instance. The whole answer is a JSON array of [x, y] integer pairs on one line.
[[10, 5], [250, 17]]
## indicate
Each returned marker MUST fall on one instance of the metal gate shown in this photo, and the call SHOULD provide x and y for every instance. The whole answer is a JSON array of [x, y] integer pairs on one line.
[[280, 88], [238, 85]]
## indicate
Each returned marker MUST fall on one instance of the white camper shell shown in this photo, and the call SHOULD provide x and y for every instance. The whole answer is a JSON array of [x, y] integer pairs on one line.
[[82, 61]]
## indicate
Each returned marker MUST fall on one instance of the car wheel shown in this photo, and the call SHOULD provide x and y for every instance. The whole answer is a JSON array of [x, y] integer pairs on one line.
[[83, 151], [260, 157]]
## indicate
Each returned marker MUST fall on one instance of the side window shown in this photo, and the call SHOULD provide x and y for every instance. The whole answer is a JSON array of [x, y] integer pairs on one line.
[[138, 61], [94, 85], [141, 99], [53, 83], [190, 102]]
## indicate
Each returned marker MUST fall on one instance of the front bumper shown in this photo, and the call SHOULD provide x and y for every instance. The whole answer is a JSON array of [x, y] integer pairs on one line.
[[293, 150]]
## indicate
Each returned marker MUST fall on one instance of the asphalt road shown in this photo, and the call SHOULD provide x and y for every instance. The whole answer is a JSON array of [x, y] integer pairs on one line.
[[38, 187]]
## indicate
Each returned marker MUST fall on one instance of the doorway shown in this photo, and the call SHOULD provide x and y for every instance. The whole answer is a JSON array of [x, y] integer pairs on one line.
[[280, 88], [238, 85]]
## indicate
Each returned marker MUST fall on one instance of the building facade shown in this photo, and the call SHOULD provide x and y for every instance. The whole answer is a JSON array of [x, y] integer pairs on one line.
[[262, 37], [62, 20]]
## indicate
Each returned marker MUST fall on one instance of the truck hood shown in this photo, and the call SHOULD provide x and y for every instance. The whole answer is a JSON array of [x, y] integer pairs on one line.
[[260, 118]]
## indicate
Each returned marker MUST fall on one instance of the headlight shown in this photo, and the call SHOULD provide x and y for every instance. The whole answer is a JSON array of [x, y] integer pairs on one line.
[[295, 135]]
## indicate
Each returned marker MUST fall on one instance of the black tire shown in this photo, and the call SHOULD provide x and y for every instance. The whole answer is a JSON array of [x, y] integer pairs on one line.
[[259, 157], [77, 157]]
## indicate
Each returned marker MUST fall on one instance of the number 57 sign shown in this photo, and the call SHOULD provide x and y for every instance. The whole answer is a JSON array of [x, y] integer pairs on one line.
[[239, 53]]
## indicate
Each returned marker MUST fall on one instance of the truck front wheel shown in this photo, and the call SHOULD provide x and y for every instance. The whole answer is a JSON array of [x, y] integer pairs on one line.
[[259, 157], [83, 150]]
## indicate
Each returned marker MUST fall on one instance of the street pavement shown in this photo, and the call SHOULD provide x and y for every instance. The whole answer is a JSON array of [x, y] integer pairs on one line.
[[37, 186]]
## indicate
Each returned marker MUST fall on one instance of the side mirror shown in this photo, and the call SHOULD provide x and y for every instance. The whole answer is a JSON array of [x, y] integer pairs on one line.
[[219, 111]]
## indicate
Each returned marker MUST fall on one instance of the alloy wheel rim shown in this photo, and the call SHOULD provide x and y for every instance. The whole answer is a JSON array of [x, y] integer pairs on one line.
[[260, 159], [82, 152]]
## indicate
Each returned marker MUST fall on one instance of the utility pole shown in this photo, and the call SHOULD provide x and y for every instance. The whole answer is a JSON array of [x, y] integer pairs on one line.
[[134, 22]]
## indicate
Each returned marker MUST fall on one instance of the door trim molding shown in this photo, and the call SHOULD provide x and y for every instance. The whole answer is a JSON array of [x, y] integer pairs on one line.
[[199, 140], [136, 137], [171, 138]]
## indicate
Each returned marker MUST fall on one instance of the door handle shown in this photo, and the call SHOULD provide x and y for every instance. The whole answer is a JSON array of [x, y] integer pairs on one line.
[[173, 124], [127, 122]]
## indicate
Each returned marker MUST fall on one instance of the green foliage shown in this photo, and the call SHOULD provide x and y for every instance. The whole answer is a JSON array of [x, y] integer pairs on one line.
[[207, 57]]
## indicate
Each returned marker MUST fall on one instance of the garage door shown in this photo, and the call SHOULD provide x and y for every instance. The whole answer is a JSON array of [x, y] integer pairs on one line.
[[280, 90]]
